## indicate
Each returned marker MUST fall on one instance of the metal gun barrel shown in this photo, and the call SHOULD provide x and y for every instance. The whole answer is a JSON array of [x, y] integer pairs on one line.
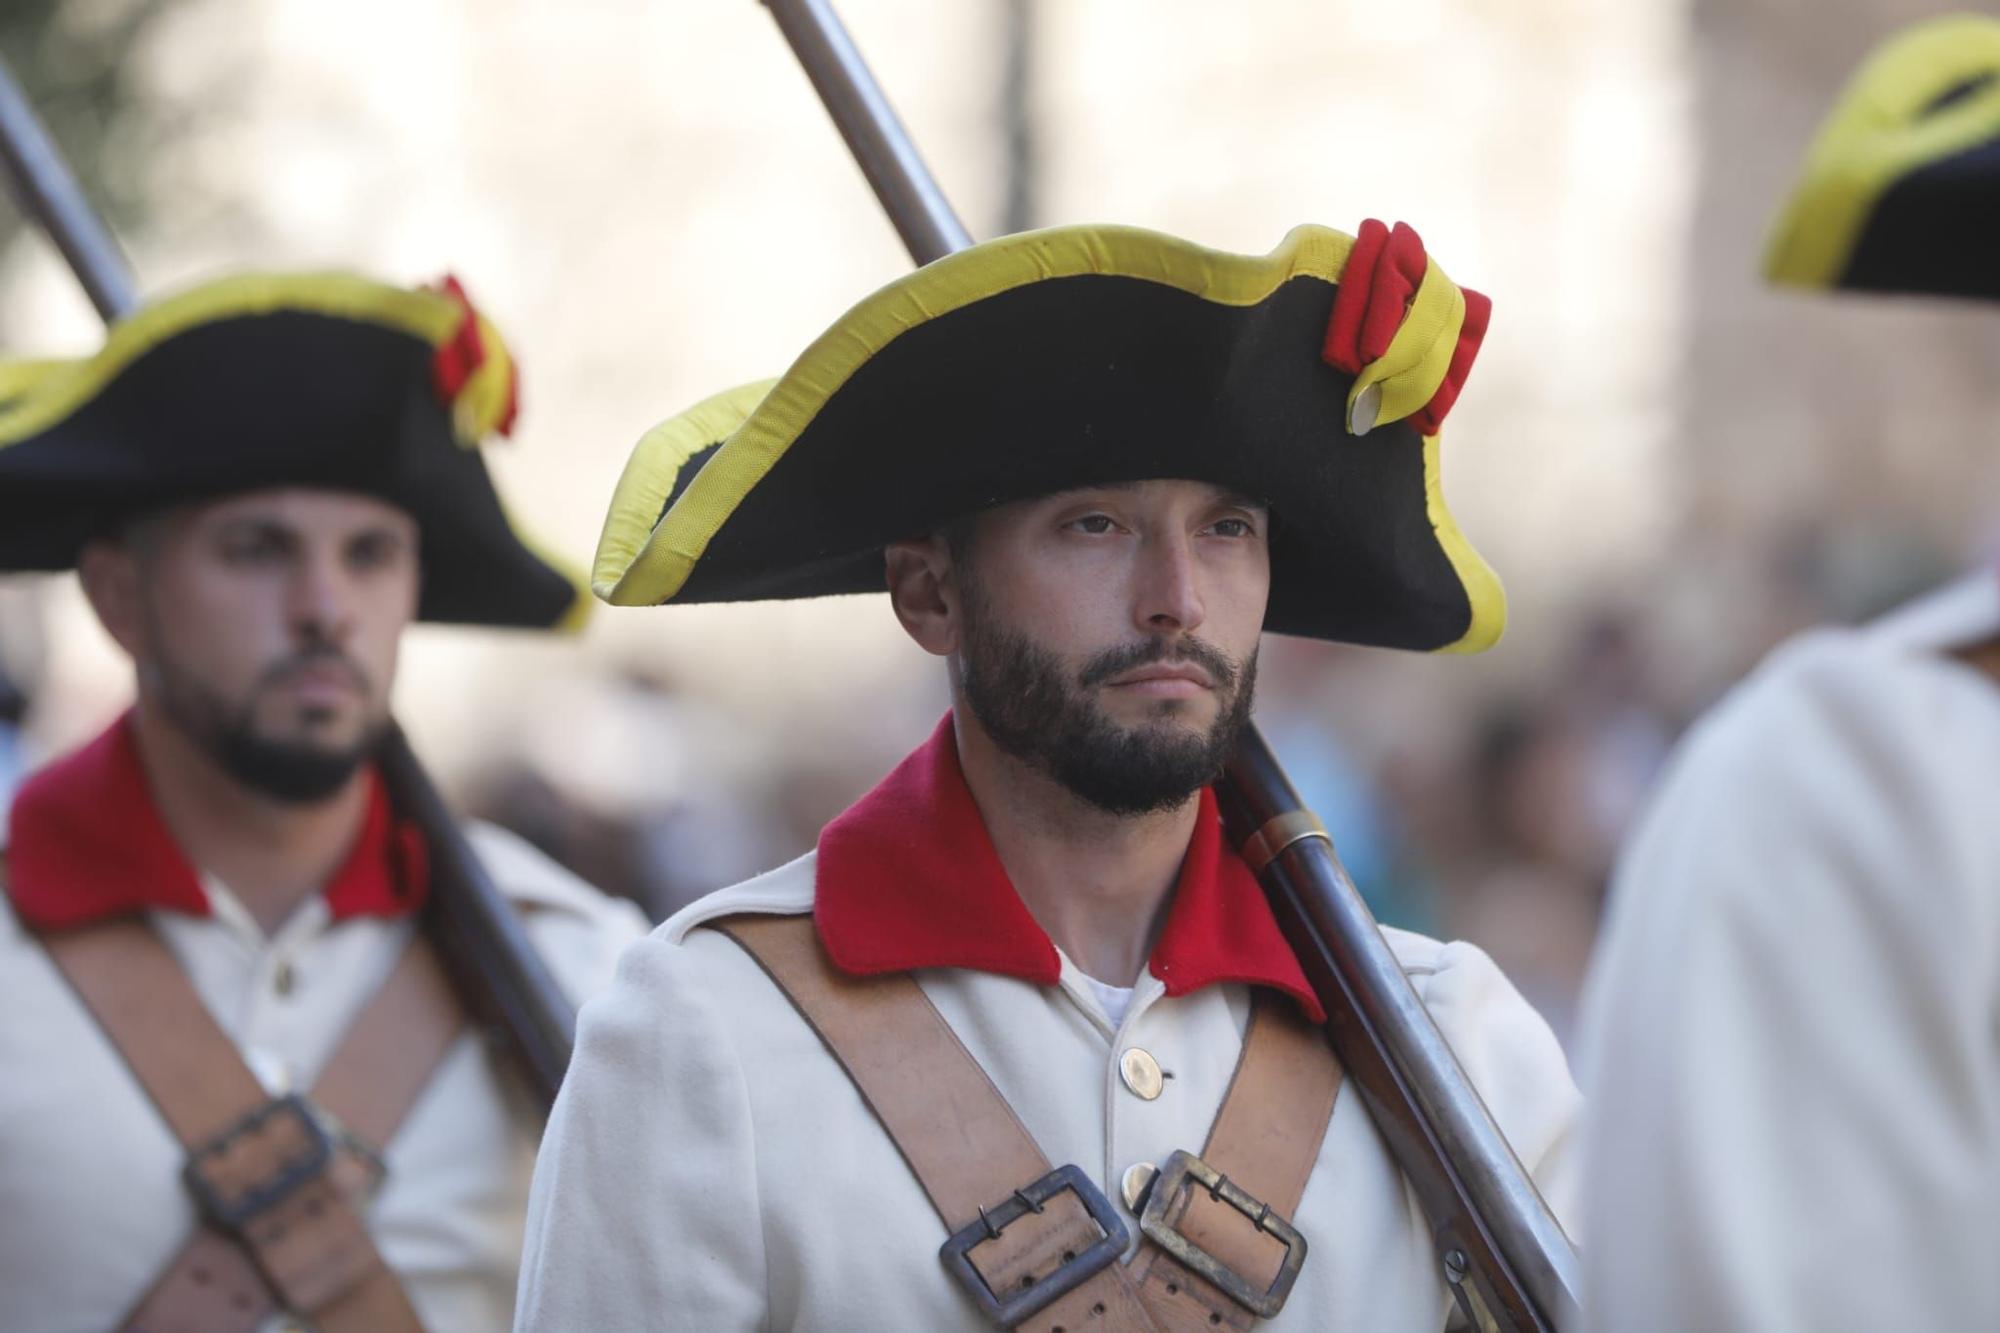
[[48, 193]]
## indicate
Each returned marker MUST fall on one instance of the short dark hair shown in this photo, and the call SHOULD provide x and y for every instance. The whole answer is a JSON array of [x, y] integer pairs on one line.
[[958, 534]]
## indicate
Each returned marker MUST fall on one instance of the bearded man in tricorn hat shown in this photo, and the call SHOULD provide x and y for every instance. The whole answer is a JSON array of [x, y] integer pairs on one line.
[[1021, 1043], [235, 1082]]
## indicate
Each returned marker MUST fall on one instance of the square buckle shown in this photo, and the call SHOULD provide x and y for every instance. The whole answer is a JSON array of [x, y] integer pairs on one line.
[[1009, 1310], [1186, 1171], [231, 1209]]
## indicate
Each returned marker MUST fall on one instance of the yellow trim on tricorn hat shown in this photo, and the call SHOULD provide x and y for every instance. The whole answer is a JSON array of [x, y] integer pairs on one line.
[[1900, 191], [262, 380], [1075, 356]]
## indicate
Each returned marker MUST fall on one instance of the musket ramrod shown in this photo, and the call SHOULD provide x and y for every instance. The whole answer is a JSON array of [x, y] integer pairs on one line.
[[1500, 1247]]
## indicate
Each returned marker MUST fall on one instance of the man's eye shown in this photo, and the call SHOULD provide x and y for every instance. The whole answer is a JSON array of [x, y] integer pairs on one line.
[[373, 554], [252, 551], [1234, 527], [1093, 523]]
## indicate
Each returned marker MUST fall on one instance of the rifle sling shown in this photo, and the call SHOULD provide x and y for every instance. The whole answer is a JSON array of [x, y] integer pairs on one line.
[[933, 1099], [309, 1251]]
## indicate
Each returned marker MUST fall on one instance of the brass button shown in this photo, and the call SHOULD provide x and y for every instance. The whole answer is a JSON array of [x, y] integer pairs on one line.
[[287, 978], [1138, 1177], [1141, 1072]]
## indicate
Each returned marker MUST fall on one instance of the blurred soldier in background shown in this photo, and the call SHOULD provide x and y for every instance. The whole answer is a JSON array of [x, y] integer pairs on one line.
[[1794, 1078], [234, 1080], [1032, 943]]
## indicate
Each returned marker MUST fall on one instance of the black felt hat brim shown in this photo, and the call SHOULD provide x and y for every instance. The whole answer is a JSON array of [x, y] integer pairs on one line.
[[1901, 189], [1047, 385], [281, 398]]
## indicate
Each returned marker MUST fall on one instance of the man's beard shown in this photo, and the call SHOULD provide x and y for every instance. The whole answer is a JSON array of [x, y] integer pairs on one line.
[[296, 772], [1044, 716]]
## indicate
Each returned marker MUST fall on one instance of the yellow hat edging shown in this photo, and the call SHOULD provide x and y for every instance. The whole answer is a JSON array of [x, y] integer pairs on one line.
[[59, 388], [1878, 132], [646, 555]]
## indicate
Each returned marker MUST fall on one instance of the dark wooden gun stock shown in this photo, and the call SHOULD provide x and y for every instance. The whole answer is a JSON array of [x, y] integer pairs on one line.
[[1487, 1219], [485, 948]]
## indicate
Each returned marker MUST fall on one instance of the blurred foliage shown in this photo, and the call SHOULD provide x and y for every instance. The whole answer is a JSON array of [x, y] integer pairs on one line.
[[75, 59]]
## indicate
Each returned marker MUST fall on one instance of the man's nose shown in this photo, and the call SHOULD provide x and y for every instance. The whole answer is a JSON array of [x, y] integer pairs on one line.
[[1168, 592], [322, 604]]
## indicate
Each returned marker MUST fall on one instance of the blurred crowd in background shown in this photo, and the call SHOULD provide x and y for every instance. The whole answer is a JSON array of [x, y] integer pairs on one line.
[[1672, 468]]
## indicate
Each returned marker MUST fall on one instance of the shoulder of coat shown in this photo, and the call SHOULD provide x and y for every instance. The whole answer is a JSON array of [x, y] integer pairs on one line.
[[530, 879], [786, 891], [1418, 955], [1931, 661]]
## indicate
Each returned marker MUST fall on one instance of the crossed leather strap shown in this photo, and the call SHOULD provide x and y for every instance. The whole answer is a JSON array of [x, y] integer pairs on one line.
[[279, 1187], [1016, 1225]]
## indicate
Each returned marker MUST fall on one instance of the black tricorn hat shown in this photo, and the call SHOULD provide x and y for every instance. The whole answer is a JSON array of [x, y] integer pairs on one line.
[[1312, 378], [1901, 189], [255, 381]]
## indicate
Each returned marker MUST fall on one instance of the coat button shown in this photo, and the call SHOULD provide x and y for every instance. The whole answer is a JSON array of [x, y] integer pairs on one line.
[[1138, 1178], [1141, 1072]]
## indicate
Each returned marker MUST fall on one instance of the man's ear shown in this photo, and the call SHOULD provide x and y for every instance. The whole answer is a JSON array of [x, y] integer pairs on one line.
[[109, 572], [923, 590]]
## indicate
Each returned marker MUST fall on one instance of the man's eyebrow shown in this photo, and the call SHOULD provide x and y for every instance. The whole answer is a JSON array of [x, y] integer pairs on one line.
[[1097, 487], [1242, 501], [1223, 495], [261, 524]]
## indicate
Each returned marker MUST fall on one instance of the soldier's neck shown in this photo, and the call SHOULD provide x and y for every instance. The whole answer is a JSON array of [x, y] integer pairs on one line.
[[273, 855], [1099, 884]]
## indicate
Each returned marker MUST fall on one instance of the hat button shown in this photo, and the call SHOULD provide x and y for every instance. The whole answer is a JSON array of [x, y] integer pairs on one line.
[[1367, 408]]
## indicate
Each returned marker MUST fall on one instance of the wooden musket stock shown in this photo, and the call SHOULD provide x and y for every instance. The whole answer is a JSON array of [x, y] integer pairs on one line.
[[501, 978], [1501, 1250]]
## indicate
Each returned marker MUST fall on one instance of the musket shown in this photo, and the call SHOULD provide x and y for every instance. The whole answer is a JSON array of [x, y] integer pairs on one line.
[[1500, 1248], [493, 966]]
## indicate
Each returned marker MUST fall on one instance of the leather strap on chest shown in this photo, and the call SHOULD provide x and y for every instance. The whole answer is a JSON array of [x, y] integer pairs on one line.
[[278, 1180], [978, 1163]]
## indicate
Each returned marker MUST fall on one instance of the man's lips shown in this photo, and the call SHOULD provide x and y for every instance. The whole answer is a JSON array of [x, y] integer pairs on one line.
[[1165, 680], [322, 683]]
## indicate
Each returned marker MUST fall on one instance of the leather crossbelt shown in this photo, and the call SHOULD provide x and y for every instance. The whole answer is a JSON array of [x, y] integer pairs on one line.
[[1040, 1249], [278, 1180]]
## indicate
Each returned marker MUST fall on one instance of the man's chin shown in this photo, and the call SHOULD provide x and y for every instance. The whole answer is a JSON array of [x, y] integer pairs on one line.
[[299, 769], [328, 731], [1161, 717]]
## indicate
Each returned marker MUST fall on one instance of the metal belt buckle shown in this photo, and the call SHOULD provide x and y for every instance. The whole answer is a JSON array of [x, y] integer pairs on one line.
[[232, 1208], [1010, 1309], [1186, 1171], [374, 1168]]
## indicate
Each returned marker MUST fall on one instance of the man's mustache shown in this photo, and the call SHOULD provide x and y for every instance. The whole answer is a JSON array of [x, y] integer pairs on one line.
[[1220, 666], [316, 659]]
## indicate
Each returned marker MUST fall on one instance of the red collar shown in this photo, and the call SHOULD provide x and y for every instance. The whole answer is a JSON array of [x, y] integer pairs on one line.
[[908, 878], [85, 842]]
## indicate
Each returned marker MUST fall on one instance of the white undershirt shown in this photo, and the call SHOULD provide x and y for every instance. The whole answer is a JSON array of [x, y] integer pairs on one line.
[[1114, 1000]]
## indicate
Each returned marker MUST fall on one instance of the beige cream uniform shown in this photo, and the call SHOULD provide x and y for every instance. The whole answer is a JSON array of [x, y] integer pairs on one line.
[[710, 1166], [91, 1203], [1793, 1025]]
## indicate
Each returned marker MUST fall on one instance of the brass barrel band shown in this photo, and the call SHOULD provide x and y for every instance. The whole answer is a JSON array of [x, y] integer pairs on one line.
[[1279, 833]]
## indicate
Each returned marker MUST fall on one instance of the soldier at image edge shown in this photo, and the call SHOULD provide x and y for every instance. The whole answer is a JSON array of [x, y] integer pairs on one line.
[[1794, 1082], [237, 1084]]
